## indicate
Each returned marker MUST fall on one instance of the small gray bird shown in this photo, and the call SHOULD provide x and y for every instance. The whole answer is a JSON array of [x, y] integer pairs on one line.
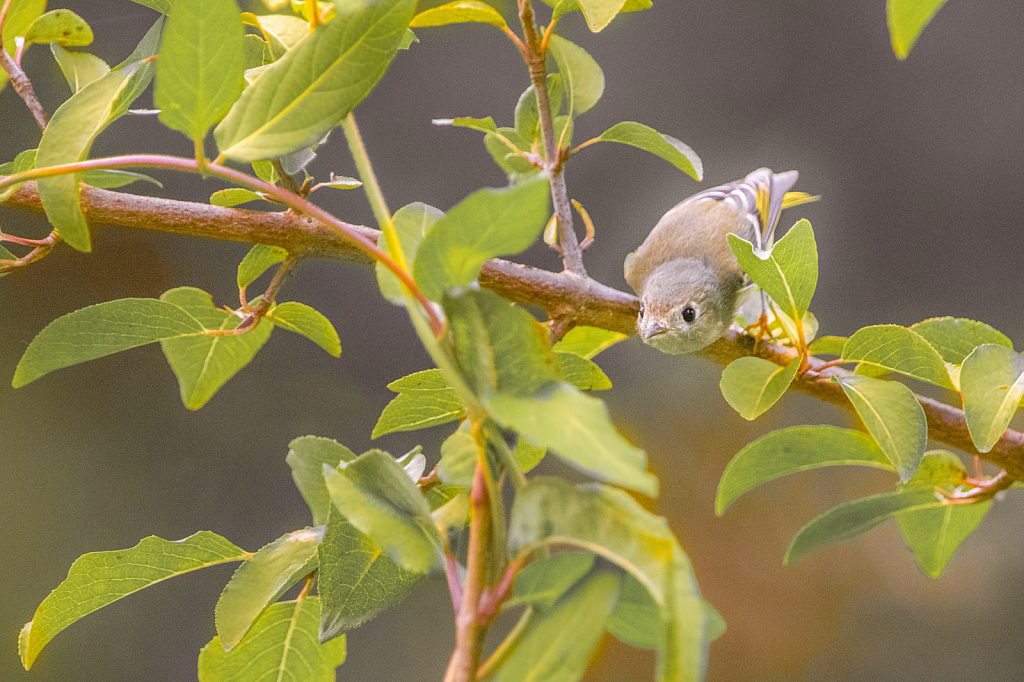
[[687, 279]]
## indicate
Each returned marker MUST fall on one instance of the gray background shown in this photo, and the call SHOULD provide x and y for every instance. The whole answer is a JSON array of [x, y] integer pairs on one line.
[[919, 166]]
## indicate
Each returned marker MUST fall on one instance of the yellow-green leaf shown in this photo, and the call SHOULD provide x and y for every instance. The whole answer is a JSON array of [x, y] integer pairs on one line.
[[992, 383], [459, 12], [907, 18], [59, 26], [665, 146], [302, 319], [752, 385]]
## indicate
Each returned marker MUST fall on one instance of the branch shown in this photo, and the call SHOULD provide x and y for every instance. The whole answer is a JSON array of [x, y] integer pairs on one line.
[[563, 295]]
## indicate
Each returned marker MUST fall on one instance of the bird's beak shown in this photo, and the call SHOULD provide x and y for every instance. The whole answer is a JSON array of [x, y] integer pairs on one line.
[[653, 330]]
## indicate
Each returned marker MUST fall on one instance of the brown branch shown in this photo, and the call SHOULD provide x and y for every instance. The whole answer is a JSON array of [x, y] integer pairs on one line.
[[563, 295]]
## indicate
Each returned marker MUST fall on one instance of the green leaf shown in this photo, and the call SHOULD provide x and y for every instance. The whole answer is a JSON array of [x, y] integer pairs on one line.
[[343, 182], [100, 578], [424, 399], [669, 148], [858, 516], [583, 75], [233, 197], [892, 348], [306, 457], [936, 533], [20, 15], [484, 125], [599, 13], [797, 448], [79, 68], [992, 383], [6, 255], [528, 456], [259, 259], [510, 159], [110, 179], [499, 347], [894, 418], [459, 12], [907, 18], [527, 115], [715, 623], [408, 38], [302, 319], [204, 363], [788, 272], [262, 579], [459, 455], [587, 342], [543, 582], [264, 170], [163, 6], [581, 373], [282, 644], [378, 498], [578, 429], [144, 69], [558, 647], [59, 26], [636, 620], [357, 581], [202, 58], [256, 52], [101, 330], [286, 30], [609, 522], [412, 222], [67, 139], [24, 161], [486, 224], [752, 385], [304, 94], [955, 338], [828, 345]]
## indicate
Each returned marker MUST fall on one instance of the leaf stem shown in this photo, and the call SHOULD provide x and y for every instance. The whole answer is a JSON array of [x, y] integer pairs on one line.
[[22, 85], [313, 9]]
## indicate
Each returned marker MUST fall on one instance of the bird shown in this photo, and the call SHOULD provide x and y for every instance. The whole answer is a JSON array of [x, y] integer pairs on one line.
[[688, 280]]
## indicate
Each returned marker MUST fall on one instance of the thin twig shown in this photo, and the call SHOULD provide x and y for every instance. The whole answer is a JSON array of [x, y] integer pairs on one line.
[[22, 85], [536, 59]]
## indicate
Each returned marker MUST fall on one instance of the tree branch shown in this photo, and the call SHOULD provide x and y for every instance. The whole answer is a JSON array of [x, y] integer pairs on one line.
[[563, 295]]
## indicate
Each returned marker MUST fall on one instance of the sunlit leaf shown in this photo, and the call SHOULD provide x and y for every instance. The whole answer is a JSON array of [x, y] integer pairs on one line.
[[20, 15], [992, 383], [891, 348], [558, 647], [486, 224], [850, 519], [458, 12], [907, 18], [101, 330], [259, 259], [79, 68], [306, 457], [955, 338], [204, 363], [587, 342], [459, 455], [100, 578], [163, 6], [59, 26], [577, 427], [303, 95], [583, 75], [377, 497], [797, 448], [412, 222], [788, 272], [894, 418], [752, 385], [199, 73], [669, 148], [543, 582], [302, 319], [424, 399], [828, 345], [357, 580], [262, 579], [281, 645], [485, 125]]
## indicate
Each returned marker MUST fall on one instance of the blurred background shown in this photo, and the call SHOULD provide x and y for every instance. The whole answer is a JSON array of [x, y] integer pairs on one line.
[[919, 166]]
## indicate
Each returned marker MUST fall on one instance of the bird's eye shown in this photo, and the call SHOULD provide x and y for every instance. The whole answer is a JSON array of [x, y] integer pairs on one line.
[[689, 314]]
